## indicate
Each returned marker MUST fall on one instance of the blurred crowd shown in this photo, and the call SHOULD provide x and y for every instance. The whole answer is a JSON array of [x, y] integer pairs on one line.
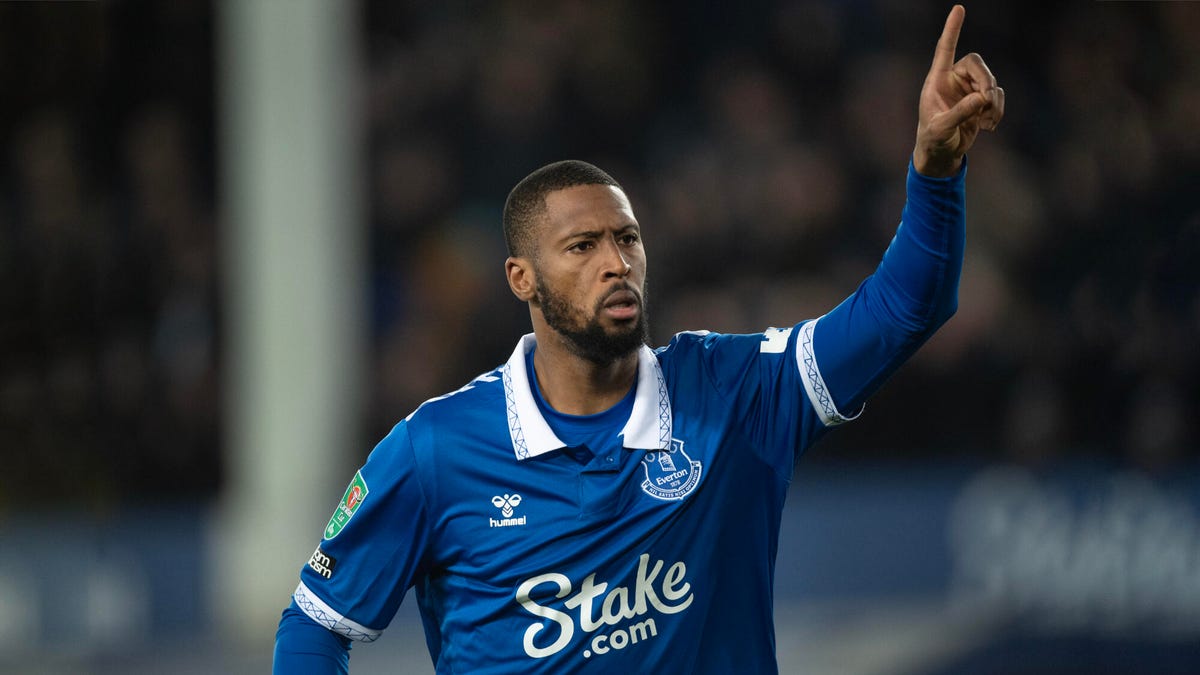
[[109, 304], [763, 147]]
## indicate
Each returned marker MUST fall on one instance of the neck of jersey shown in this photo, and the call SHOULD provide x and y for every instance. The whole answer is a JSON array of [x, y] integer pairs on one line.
[[586, 436]]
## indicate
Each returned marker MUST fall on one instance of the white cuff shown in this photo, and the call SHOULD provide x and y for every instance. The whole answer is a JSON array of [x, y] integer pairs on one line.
[[318, 611], [814, 384]]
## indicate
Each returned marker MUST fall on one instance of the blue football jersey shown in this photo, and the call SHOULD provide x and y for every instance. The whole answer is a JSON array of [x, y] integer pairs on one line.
[[657, 556], [655, 552]]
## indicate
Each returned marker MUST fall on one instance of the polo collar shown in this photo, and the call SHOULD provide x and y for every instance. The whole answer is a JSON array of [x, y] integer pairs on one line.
[[648, 426]]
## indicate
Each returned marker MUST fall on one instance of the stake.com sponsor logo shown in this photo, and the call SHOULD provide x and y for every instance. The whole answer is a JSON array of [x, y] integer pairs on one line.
[[671, 596]]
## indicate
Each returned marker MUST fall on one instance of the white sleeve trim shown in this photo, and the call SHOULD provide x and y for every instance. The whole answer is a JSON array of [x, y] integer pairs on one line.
[[814, 384], [318, 611]]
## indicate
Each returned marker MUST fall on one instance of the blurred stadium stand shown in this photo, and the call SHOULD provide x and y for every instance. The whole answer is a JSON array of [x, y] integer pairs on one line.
[[1024, 497]]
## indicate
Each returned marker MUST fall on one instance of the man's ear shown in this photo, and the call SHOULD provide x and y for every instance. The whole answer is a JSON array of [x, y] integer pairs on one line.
[[521, 278]]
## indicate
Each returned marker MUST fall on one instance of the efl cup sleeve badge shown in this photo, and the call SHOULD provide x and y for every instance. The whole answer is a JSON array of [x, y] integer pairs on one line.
[[355, 494], [670, 474]]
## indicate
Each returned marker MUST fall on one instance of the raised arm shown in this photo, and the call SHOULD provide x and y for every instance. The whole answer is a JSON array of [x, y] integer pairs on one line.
[[860, 343]]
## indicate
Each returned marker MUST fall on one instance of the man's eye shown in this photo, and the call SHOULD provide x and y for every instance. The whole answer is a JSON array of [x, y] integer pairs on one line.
[[629, 239], [582, 246]]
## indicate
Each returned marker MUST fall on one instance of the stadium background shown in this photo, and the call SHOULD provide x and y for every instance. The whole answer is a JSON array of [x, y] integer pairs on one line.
[[1024, 497]]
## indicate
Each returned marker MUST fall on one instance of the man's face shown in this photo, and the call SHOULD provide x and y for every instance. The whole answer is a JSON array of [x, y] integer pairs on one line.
[[591, 271]]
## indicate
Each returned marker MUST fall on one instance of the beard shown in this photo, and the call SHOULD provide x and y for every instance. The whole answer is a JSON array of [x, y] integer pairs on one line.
[[586, 337]]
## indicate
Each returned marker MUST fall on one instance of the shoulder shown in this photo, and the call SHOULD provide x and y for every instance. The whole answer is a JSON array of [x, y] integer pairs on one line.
[[686, 343], [696, 356], [472, 398], [707, 344], [427, 450], [465, 417], [726, 359]]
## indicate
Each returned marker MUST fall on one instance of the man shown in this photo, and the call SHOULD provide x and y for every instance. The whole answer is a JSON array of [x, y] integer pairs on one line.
[[597, 506]]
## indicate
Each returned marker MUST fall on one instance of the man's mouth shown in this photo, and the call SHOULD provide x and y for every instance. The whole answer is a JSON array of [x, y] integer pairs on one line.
[[621, 305]]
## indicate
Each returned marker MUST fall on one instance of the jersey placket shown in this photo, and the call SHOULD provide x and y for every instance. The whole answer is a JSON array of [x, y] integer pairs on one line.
[[600, 484]]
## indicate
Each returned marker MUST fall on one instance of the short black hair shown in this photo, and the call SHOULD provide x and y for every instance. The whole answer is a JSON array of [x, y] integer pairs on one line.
[[527, 201]]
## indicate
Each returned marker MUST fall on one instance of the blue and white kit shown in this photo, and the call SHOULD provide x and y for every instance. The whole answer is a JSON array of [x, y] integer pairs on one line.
[[641, 539]]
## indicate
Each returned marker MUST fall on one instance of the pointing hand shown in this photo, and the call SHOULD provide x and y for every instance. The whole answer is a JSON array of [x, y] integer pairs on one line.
[[958, 100]]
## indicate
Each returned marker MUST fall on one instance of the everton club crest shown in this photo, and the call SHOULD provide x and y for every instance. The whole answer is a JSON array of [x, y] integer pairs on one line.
[[670, 474]]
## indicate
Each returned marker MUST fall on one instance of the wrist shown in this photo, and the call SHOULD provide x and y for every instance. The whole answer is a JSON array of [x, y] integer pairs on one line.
[[933, 166]]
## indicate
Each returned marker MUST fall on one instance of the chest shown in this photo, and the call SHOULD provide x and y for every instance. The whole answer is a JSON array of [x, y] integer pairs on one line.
[[507, 521]]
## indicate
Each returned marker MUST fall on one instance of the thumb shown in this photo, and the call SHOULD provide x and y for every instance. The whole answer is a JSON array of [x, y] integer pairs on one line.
[[972, 104]]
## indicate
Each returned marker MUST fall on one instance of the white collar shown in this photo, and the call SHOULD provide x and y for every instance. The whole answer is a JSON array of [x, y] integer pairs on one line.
[[648, 427]]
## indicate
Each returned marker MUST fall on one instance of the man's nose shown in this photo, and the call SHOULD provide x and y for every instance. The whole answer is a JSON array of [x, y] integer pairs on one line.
[[618, 264]]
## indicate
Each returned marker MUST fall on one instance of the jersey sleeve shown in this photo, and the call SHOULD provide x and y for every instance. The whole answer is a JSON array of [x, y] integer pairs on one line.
[[375, 544], [914, 290], [788, 386], [302, 647]]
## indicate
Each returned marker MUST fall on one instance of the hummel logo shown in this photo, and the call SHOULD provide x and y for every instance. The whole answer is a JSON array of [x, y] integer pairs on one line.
[[506, 504]]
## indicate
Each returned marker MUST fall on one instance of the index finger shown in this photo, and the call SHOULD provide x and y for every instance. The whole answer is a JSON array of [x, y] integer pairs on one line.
[[943, 56]]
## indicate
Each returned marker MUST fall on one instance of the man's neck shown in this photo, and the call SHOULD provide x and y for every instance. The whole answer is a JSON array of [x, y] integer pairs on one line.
[[574, 385]]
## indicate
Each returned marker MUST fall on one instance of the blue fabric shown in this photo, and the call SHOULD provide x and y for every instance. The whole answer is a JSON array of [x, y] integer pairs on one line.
[[302, 647]]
